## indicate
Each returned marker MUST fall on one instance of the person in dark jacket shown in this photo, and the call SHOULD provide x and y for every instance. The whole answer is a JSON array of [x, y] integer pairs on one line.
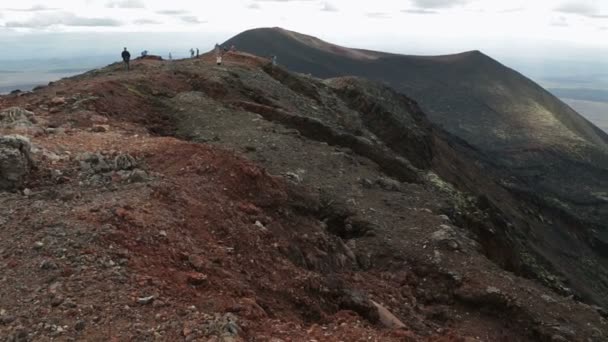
[[126, 58]]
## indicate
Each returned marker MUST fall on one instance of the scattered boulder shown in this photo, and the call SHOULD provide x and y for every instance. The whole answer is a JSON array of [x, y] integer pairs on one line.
[[360, 303], [448, 237], [58, 101], [388, 184], [15, 161], [16, 117], [94, 162], [145, 300], [387, 318], [100, 128], [124, 162], [197, 279], [225, 327]]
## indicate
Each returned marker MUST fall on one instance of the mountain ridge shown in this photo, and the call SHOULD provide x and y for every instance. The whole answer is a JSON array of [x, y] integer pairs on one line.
[[184, 200], [468, 60], [520, 125]]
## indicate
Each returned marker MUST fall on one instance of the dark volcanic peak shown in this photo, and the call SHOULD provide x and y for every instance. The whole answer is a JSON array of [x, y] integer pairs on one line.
[[515, 122]]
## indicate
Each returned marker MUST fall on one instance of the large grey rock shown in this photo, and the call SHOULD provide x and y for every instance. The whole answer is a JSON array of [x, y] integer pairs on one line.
[[15, 161], [124, 162], [94, 163], [16, 117]]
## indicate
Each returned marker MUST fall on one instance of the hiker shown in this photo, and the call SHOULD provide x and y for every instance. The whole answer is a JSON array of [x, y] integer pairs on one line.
[[219, 59], [217, 49], [274, 60], [197, 53], [191, 53], [126, 58]]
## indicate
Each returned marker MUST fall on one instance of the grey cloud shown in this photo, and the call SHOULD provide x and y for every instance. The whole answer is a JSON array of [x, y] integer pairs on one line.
[[254, 6], [36, 8], [146, 22], [62, 18], [172, 12], [438, 3], [191, 19], [126, 4], [581, 8], [419, 11], [327, 7]]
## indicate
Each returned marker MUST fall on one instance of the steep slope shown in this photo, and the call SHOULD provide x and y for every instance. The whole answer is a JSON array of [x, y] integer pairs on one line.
[[297, 209], [553, 152]]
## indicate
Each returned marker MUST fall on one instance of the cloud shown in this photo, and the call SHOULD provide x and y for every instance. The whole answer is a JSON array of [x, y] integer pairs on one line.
[[419, 11], [172, 12], [378, 15], [191, 19], [586, 9], [62, 18], [126, 4], [560, 22], [35, 8], [512, 10], [254, 6], [327, 7], [438, 3], [146, 22]]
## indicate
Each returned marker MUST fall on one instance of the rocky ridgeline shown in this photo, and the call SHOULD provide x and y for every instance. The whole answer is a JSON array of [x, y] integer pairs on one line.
[[280, 208]]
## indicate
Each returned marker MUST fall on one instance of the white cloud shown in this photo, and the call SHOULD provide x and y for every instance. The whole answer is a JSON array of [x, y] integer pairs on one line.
[[126, 4], [44, 20], [590, 9], [378, 15], [34, 8], [438, 3], [419, 11], [327, 7], [172, 12], [560, 22], [387, 22], [191, 19], [147, 22]]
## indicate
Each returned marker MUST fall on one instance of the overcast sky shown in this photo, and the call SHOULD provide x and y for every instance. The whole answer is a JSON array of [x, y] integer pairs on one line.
[[514, 26]]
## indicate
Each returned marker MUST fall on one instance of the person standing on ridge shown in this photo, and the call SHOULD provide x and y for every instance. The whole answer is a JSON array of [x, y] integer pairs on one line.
[[197, 53], [191, 53], [126, 58]]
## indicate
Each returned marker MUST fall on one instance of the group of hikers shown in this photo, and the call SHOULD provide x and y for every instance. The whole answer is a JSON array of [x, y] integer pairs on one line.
[[218, 50]]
